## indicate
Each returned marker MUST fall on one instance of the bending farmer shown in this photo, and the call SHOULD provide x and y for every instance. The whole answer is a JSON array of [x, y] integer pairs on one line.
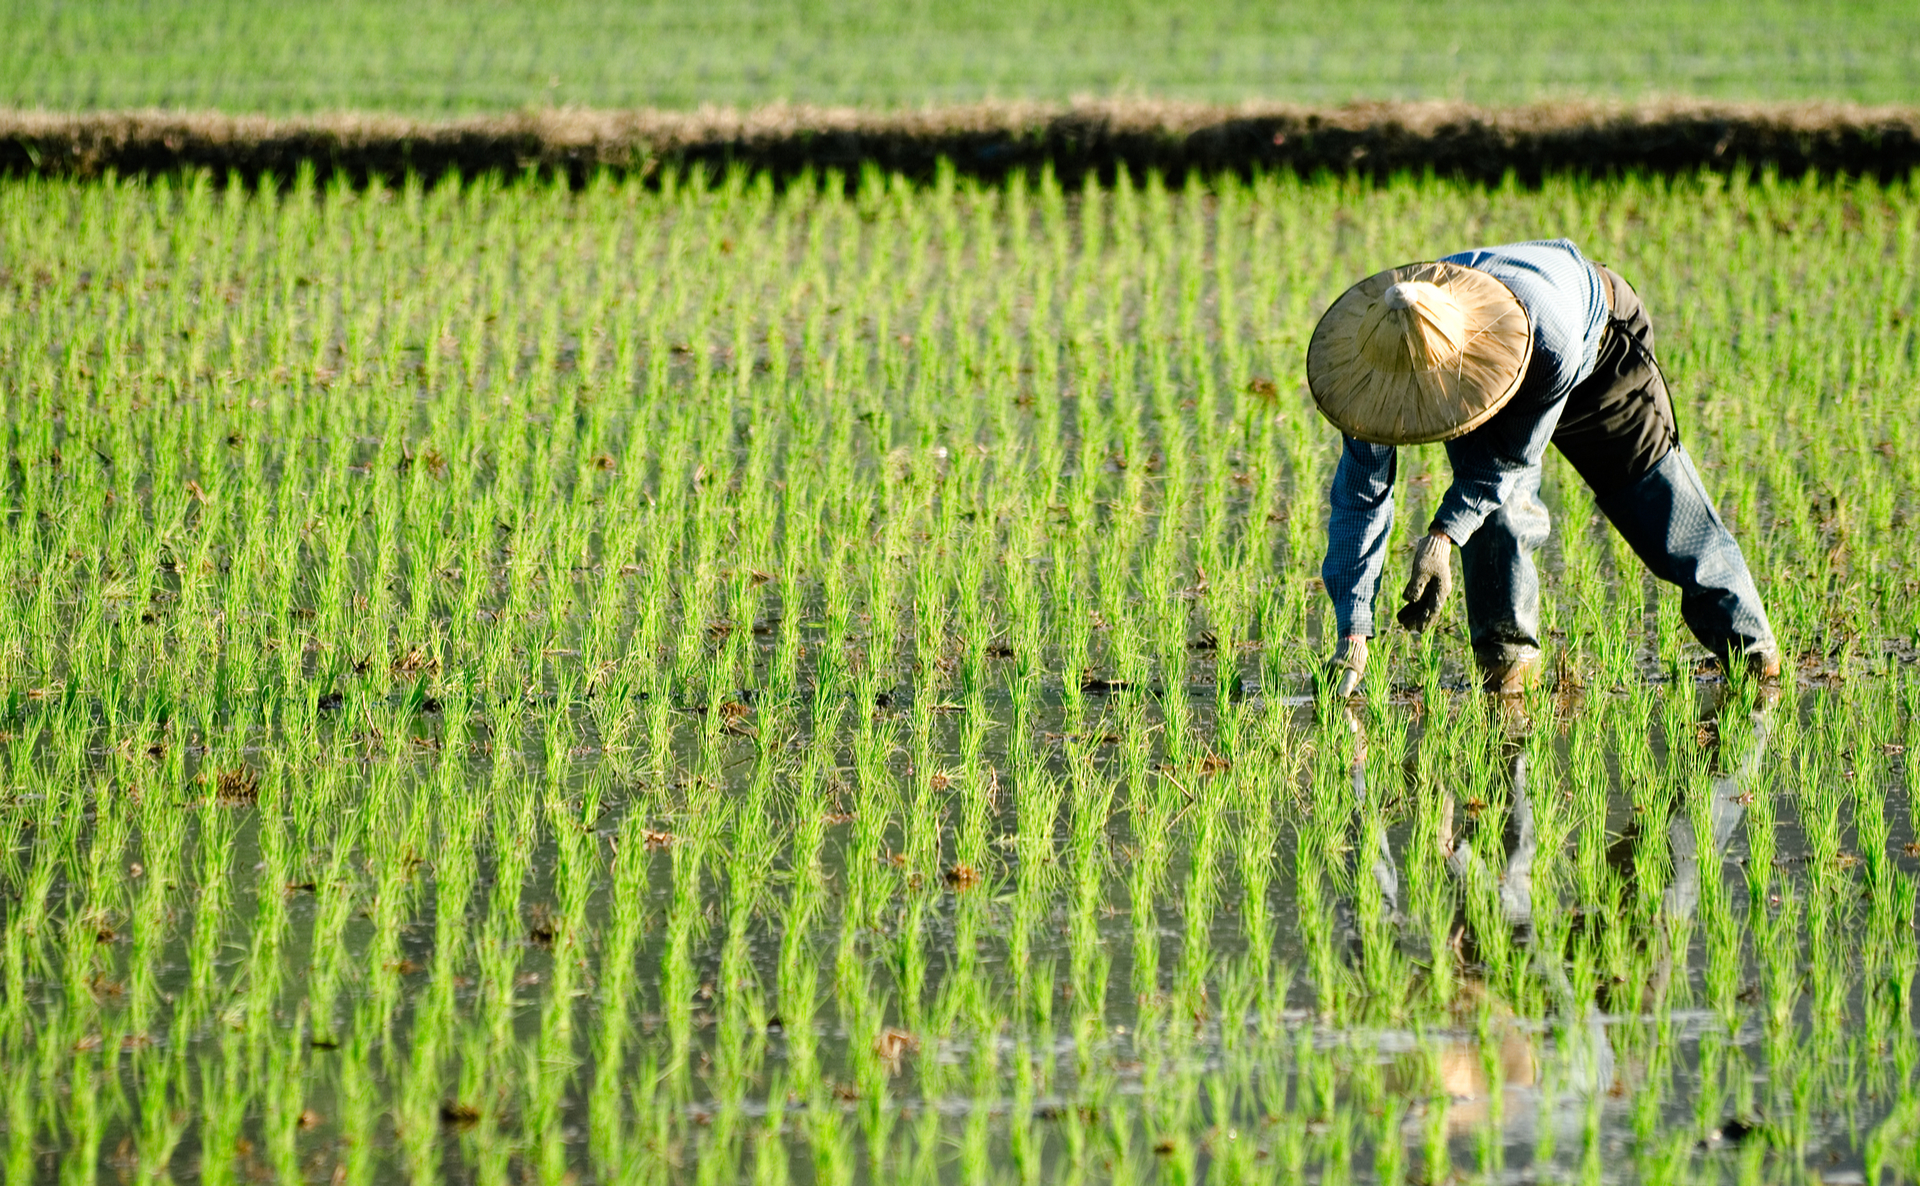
[[1498, 351]]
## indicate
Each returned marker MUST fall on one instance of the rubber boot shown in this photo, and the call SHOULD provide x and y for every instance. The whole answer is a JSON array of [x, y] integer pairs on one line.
[[1762, 664], [1512, 673]]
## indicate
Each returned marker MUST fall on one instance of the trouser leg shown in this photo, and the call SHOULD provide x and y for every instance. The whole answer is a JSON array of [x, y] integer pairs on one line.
[[1619, 432], [1618, 423], [1672, 526], [1500, 582]]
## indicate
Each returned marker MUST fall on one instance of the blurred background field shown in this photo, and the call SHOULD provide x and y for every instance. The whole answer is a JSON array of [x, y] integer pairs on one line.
[[441, 58]]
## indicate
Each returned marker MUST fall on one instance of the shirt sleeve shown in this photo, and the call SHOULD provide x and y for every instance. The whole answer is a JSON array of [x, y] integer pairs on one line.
[[1567, 309], [1488, 462], [1358, 527]]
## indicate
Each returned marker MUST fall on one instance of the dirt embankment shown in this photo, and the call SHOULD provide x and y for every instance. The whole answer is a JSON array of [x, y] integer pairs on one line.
[[992, 140]]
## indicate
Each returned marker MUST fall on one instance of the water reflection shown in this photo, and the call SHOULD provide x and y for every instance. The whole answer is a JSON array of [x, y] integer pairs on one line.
[[1534, 1073], [1731, 781]]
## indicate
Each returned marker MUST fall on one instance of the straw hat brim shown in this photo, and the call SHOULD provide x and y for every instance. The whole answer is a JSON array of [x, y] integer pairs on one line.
[[1415, 406]]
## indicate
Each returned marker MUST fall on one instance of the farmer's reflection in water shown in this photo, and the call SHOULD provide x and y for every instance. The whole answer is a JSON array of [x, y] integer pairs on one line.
[[1492, 863]]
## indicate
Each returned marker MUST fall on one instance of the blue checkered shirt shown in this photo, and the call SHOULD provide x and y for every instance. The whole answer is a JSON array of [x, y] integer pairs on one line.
[[1564, 300]]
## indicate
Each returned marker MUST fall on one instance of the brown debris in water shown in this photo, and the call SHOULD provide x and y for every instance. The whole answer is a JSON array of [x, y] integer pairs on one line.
[[236, 786], [893, 1045]]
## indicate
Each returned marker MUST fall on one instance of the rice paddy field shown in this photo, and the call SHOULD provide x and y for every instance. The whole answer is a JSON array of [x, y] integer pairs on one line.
[[442, 57], [702, 681]]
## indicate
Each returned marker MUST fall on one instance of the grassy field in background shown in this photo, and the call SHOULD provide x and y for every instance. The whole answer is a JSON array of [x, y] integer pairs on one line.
[[702, 682], [438, 58]]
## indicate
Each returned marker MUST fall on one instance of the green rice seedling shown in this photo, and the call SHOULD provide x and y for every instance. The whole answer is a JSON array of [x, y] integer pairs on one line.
[[907, 587]]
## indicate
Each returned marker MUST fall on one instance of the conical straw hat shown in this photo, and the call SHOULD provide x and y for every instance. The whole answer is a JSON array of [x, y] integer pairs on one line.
[[1419, 353]]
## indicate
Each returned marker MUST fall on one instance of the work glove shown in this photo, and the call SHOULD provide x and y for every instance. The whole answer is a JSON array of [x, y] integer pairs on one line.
[[1431, 582], [1345, 668]]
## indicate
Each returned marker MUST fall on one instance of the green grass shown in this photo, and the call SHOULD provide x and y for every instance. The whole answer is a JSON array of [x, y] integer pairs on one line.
[[441, 58], [707, 682]]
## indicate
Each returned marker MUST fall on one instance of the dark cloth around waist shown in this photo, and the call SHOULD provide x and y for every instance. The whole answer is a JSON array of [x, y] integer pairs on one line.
[[1618, 422]]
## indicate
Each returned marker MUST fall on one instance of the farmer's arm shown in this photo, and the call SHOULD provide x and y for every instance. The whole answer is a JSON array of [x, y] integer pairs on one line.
[[1488, 462], [1357, 530], [1567, 309]]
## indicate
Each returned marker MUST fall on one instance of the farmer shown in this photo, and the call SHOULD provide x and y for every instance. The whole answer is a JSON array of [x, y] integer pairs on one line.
[[1497, 352]]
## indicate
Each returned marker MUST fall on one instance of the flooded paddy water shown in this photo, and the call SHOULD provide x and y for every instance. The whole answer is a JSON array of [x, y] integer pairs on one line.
[[1454, 942], [503, 683]]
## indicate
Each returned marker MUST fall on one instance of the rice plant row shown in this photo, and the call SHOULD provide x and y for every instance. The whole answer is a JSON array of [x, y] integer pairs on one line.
[[715, 681]]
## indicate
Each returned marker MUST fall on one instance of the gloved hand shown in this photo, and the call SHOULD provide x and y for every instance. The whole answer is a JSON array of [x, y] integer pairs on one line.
[[1345, 668], [1431, 582]]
